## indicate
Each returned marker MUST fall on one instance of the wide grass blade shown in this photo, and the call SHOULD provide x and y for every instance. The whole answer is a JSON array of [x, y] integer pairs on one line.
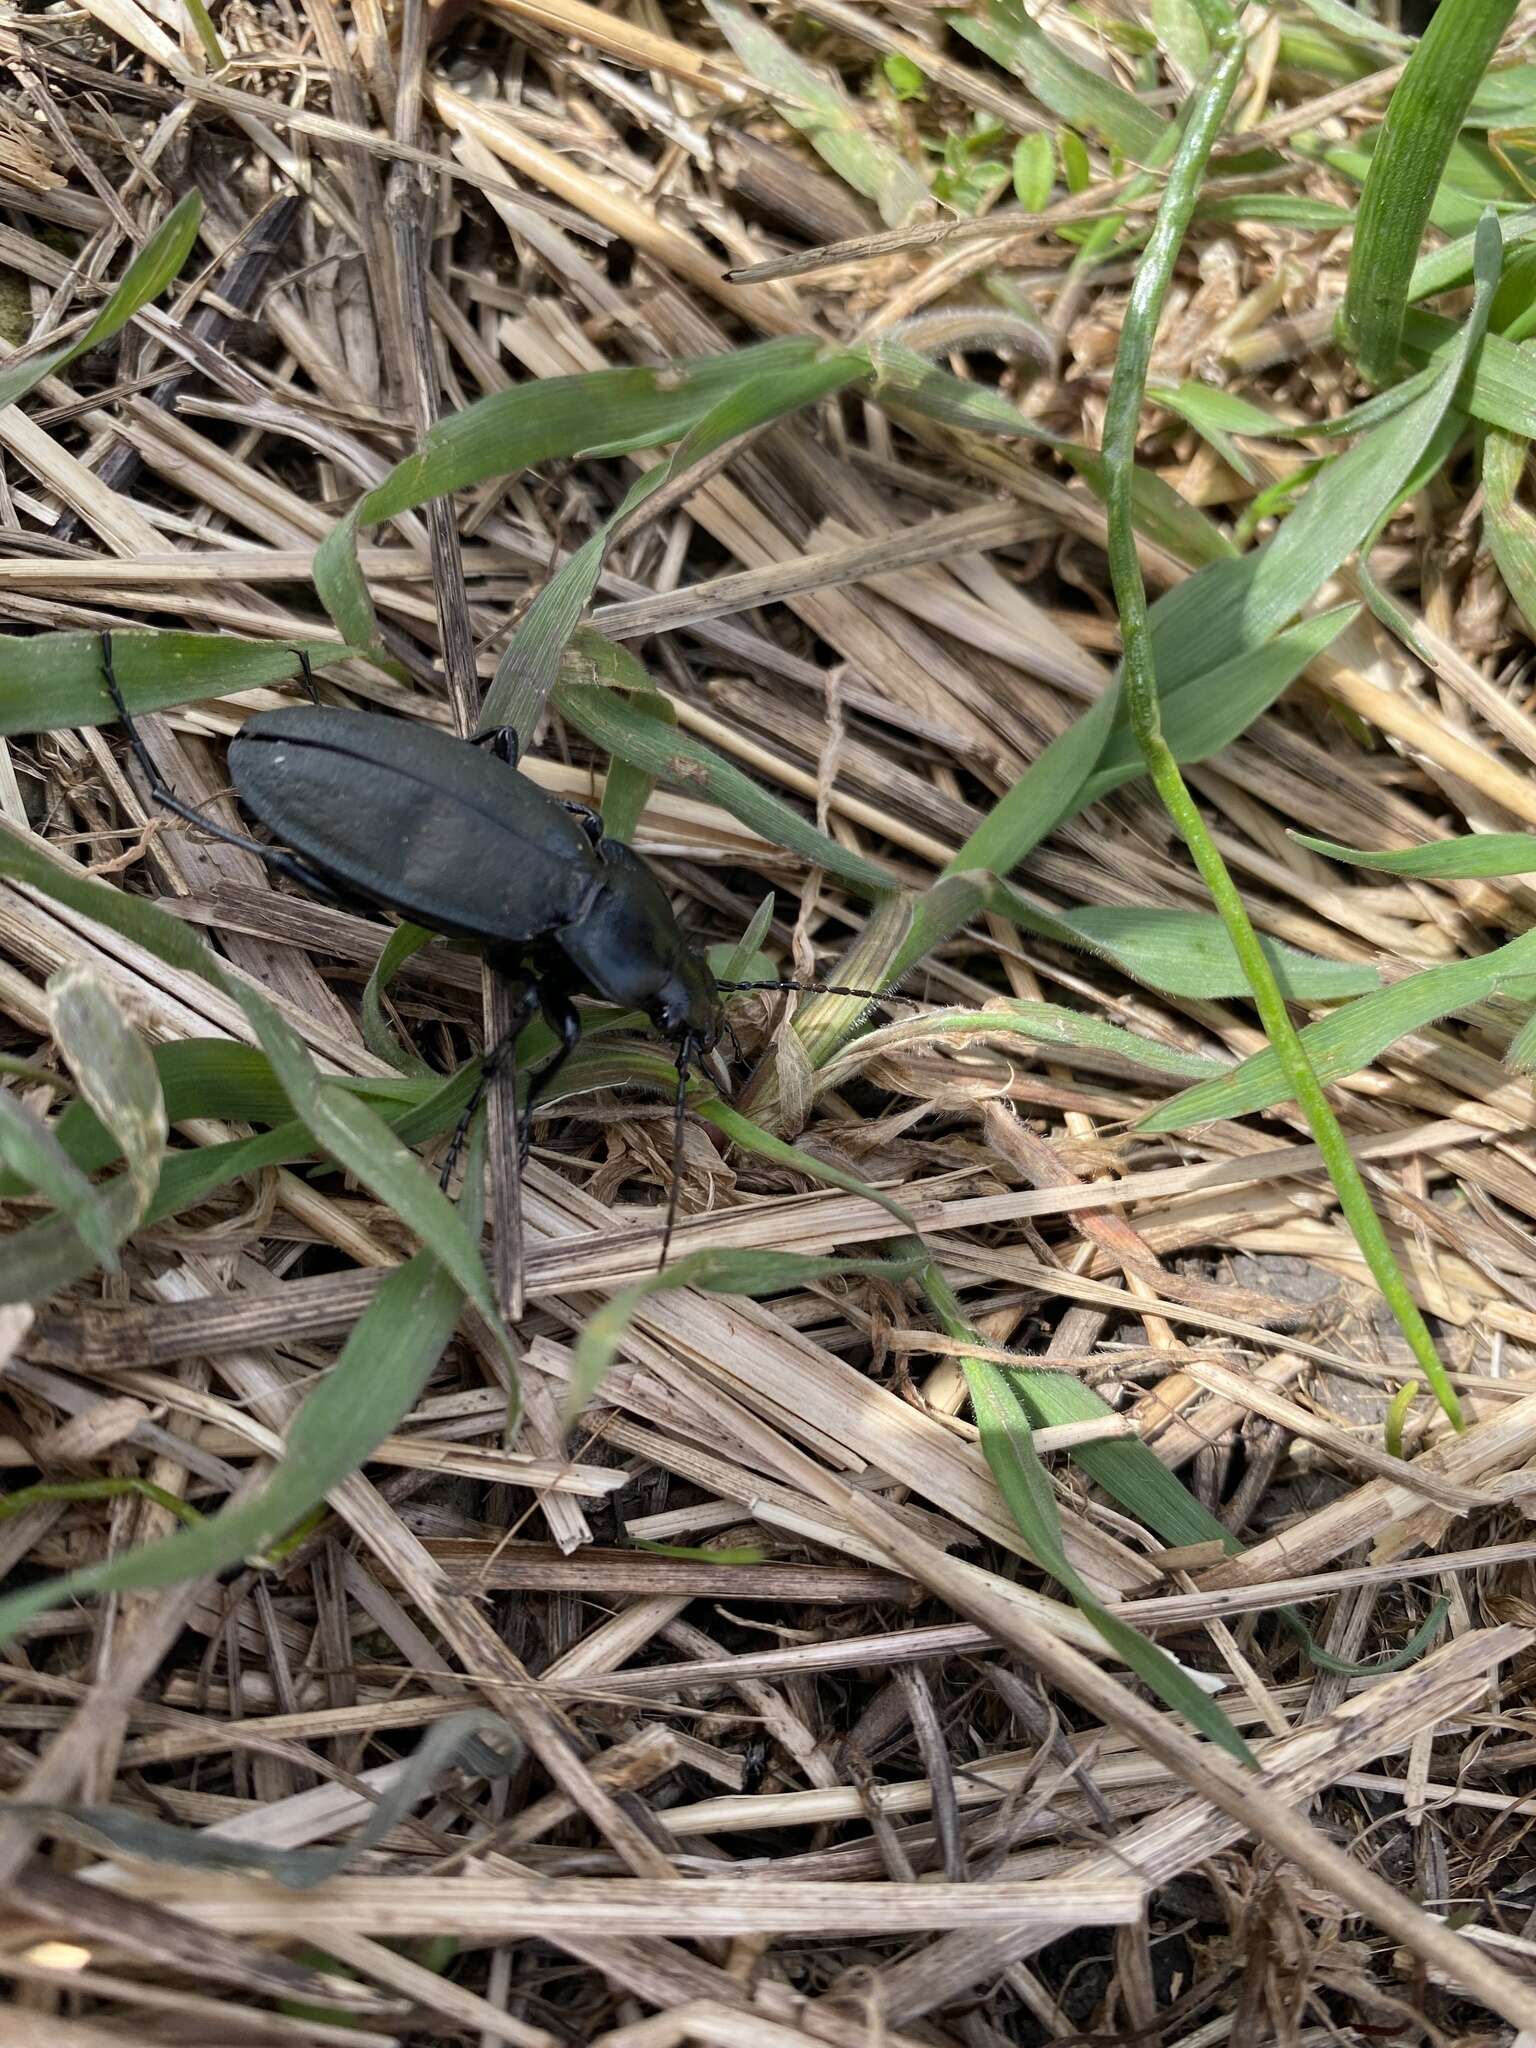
[[1423, 119], [1223, 618], [606, 412], [526, 673], [52, 680], [32, 1155]]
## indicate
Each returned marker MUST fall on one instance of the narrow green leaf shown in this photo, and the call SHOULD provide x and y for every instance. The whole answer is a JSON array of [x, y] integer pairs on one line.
[[1182, 35], [1213, 710], [1357, 26], [379, 1035], [1233, 608], [1509, 526], [813, 101], [626, 788], [1481, 855], [1137, 1480], [1284, 209], [1048, 791], [30, 1151], [341, 1121], [752, 1137], [449, 1744], [526, 673], [1397, 1415], [1422, 121], [1011, 37], [1007, 1443], [606, 412], [207, 34], [51, 1491], [715, 1272], [1189, 953], [145, 278], [385, 1363], [1350, 1038], [685, 763], [1040, 1023]]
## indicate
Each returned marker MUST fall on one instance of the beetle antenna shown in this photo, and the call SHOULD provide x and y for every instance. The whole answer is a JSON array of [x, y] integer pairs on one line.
[[685, 1053], [820, 988]]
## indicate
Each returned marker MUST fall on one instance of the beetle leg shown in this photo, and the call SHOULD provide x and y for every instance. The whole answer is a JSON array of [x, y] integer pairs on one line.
[[502, 1057], [588, 819], [503, 743], [560, 1014], [162, 794]]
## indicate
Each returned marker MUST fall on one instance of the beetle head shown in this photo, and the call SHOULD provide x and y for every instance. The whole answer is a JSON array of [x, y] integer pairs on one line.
[[686, 1004], [630, 949]]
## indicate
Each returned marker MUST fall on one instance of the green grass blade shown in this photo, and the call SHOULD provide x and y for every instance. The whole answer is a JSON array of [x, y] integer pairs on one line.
[[814, 102], [382, 1369], [379, 1035], [626, 787], [1347, 1041], [1480, 855], [1509, 526], [606, 412], [610, 720], [1011, 37], [715, 1272], [145, 279], [1137, 1480], [454, 1743], [526, 673], [1358, 27], [1013, 1017], [1141, 666], [1423, 119], [1208, 714], [49, 681], [31, 1153], [1190, 953], [341, 1122], [1007, 1443]]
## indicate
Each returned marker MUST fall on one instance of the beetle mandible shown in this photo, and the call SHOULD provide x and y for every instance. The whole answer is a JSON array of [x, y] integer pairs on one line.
[[447, 832]]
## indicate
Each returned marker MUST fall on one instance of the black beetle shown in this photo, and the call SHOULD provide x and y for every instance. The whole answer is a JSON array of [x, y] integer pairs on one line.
[[447, 833]]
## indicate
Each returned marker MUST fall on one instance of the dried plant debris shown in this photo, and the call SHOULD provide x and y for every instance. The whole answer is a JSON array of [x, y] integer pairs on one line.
[[1005, 1578]]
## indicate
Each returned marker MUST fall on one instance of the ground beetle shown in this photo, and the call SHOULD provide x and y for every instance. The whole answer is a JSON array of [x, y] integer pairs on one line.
[[446, 832]]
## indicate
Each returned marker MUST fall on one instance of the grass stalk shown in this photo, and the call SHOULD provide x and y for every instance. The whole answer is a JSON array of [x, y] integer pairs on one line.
[[1139, 680]]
